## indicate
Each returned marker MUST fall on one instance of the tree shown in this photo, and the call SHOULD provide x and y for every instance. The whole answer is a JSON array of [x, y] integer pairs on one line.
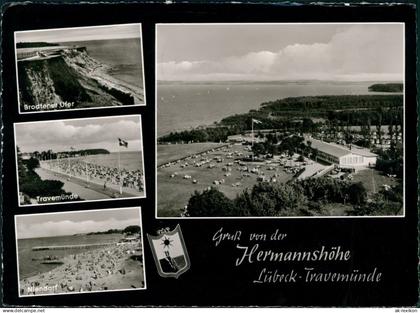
[[308, 147], [132, 229], [307, 125], [210, 202], [357, 193], [379, 124], [315, 153], [21, 166], [258, 148], [32, 164], [267, 199]]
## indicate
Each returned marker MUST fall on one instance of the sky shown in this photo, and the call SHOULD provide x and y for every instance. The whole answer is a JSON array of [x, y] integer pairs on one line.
[[70, 223], [92, 133], [80, 34], [344, 52]]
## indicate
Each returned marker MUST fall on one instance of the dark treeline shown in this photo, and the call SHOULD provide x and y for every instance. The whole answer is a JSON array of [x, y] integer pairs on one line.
[[390, 87], [132, 229], [298, 198], [326, 103], [377, 116], [297, 114], [37, 44], [278, 144], [106, 232], [391, 161], [213, 134], [49, 154], [343, 108]]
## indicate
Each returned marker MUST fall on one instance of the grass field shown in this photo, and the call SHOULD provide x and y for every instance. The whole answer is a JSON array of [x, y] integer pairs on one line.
[[337, 209], [169, 153], [174, 192], [373, 180]]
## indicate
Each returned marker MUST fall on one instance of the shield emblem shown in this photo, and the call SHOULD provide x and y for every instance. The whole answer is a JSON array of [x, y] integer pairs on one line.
[[170, 254]]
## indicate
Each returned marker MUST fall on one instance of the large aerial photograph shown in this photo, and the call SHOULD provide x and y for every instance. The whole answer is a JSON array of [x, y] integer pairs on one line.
[[280, 120]]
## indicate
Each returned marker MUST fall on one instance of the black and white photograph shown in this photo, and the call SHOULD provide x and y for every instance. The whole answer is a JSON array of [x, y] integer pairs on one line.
[[79, 68], [280, 120], [75, 160], [80, 251]]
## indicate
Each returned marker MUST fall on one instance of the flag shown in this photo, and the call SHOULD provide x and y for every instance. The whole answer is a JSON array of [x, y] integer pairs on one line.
[[122, 143], [256, 121]]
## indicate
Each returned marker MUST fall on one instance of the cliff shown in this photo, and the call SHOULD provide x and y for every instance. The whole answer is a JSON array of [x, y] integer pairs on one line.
[[49, 80], [70, 75]]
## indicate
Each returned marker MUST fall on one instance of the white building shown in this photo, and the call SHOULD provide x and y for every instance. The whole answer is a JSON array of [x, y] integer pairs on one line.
[[342, 155]]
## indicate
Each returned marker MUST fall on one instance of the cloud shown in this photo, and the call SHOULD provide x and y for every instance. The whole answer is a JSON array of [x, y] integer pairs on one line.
[[68, 227], [58, 135], [80, 33], [373, 52]]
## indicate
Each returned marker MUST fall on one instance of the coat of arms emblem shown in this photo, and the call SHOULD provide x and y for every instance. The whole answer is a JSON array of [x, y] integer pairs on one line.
[[170, 253]]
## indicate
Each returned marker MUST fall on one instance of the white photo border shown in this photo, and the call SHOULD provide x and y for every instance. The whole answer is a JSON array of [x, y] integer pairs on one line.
[[139, 208], [80, 201], [87, 108]]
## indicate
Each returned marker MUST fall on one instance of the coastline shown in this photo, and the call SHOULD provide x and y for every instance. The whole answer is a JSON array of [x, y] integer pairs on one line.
[[240, 96]]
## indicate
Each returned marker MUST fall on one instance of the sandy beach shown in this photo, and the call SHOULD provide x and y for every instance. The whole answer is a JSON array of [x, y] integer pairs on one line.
[[114, 267]]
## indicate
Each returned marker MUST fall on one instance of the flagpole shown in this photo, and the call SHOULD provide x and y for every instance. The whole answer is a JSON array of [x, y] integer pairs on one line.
[[68, 160], [252, 132], [86, 169], [119, 167], [252, 137]]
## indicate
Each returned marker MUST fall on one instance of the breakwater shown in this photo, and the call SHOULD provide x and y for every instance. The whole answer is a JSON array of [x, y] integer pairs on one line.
[[66, 247]]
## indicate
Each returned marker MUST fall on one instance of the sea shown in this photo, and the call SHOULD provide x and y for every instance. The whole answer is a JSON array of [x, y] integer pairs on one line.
[[29, 267], [123, 55], [185, 105], [129, 160]]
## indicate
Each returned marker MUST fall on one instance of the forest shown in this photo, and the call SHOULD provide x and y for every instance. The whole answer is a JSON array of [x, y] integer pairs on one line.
[[390, 87], [297, 198], [297, 115]]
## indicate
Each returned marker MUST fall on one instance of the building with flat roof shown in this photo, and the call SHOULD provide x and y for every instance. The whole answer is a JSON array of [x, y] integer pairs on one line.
[[343, 156]]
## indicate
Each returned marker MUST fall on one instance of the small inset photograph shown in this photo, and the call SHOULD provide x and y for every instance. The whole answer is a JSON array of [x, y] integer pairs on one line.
[[79, 68], [280, 120], [80, 252], [75, 160]]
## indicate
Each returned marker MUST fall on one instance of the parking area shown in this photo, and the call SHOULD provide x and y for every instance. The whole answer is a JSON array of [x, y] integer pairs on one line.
[[222, 168]]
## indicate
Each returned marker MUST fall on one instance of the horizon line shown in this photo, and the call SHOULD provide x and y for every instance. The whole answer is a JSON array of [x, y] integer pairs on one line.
[[283, 80]]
